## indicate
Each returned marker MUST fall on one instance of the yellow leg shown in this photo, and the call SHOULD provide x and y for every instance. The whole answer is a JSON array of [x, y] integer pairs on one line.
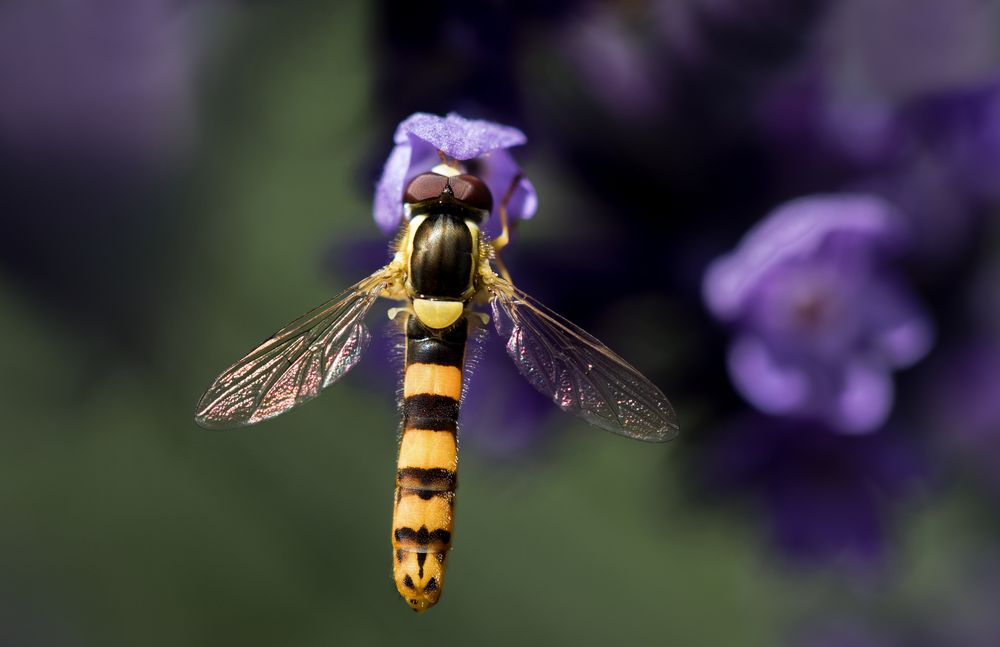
[[500, 242], [503, 239]]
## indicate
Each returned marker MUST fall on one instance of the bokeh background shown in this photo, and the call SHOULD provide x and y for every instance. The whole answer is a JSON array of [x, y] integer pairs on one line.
[[180, 178]]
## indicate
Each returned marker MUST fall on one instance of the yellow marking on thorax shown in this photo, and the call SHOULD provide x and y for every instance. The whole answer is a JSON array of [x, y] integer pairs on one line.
[[437, 314], [407, 243], [433, 379], [428, 450]]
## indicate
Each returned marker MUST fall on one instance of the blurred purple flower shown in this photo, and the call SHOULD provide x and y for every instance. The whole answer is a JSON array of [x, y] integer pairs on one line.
[[963, 398], [961, 129], [822, 136], [502, 415], [901, 49], [615, 66], [945, 171], [726, 32], [826, 497], [108, 79], [896, 98], [97, 123], [820, 320], [482, 145]]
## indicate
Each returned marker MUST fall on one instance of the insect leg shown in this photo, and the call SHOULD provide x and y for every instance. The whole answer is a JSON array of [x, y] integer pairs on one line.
[[503, 239]]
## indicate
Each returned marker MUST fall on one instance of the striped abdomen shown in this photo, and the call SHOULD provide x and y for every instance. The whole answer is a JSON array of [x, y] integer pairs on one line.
[[428, 459]]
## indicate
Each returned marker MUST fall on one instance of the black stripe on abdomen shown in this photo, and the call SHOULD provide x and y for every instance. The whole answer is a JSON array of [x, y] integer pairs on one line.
[[446, 348], [437, 412]]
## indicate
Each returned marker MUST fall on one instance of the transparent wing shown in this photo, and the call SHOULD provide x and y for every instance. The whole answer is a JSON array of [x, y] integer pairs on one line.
[[296, 363], [578, 372]]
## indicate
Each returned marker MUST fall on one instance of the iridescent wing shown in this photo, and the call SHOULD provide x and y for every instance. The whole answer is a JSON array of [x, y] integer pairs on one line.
[[295, 363], [578, 372]]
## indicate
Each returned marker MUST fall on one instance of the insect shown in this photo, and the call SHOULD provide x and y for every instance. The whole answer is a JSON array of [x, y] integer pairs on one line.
[[443, 273]]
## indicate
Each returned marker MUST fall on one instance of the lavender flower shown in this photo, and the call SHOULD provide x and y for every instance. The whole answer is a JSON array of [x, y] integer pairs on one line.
[[620, 74], [482, 145], [900, 100], [97, 121], [104, 80], [960, 129], [821, 322], [825, 497], [961, 403]]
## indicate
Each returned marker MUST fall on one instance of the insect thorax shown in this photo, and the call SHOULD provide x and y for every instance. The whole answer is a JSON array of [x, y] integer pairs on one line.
[[442, 256]]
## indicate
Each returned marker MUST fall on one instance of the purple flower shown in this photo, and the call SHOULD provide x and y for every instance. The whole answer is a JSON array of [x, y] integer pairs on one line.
[[98, 119], [102, 79], [502, 415], [820, 321], [825, 497], [905, 48], [964, 407], [481, 145], [619, 73], [960, 129]]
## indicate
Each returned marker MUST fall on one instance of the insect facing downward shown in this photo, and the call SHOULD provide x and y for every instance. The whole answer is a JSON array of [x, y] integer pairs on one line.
[[442, 271]]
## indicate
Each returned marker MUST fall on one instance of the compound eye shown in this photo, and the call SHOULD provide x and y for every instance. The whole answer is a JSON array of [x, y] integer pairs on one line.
[[425, 187], [472, 191]]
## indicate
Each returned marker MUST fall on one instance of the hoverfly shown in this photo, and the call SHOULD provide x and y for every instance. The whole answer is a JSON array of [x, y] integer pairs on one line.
[[442, 271]]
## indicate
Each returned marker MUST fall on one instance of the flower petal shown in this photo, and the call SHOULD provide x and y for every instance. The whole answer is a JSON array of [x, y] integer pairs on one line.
[[796, 230], [763, 380], [388, 207], [902, 332], [865, 399], [498, 169], [418, 139], [457, 137]]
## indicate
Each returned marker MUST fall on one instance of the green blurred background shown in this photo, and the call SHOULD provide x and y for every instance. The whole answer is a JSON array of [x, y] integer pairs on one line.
[[125, 524]]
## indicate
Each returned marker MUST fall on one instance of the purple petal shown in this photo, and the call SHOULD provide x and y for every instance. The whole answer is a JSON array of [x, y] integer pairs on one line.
[[502, 415], [902, 332], [865, 399], [763, 380], [419, 138], [97, 78], [796, 230], [904, 48], [389, 191], [498, 170], [962, 404], [825, 496], [459, 138]]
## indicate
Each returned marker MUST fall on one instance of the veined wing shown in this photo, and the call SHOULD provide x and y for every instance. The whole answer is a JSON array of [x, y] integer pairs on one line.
[[578, 372], [295, 363]]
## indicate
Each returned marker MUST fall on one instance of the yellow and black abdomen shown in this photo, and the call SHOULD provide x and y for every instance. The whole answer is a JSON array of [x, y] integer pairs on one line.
[[428, 460]]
